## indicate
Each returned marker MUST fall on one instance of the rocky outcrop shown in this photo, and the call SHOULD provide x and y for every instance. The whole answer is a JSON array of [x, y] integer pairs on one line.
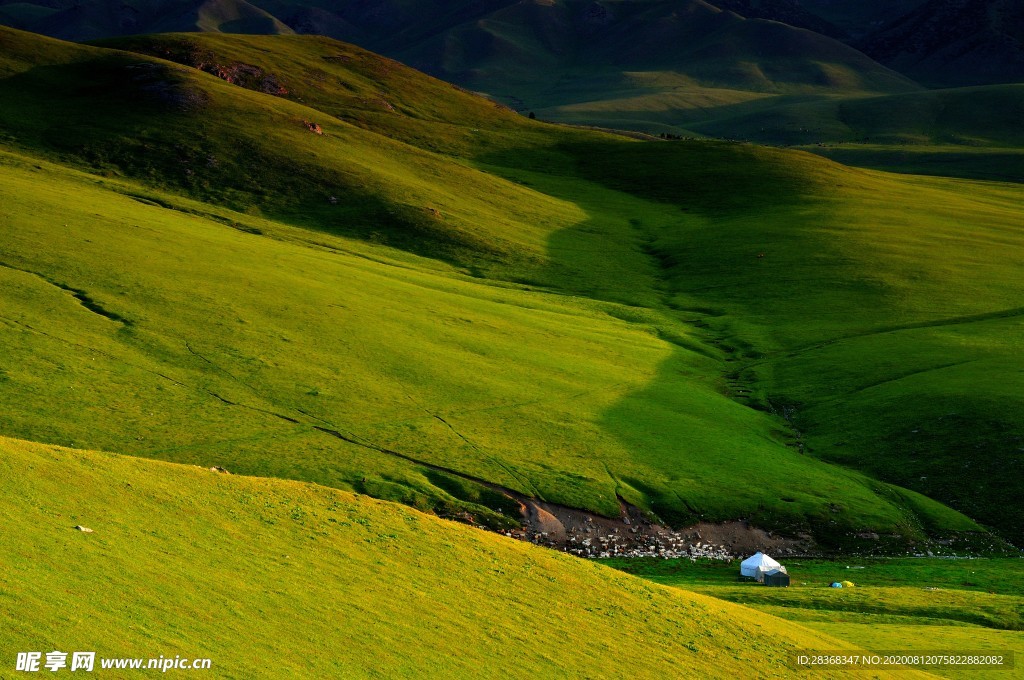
[[635, 534]]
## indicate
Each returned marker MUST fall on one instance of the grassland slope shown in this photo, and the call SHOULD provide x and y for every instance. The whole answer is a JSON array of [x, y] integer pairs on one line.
[[193, 133], [270, 578], [901, 287], [345, 82], [345, 380], [971, 116], [912, 605], [510, 308]]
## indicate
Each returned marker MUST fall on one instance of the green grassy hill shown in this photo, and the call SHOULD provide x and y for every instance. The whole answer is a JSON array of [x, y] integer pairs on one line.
[[973, 116], [429, 302], [189, 132], [766, 71], [883, 311], [389, 351], [276, 579], [346, 83], [348, 283], [965, 132]]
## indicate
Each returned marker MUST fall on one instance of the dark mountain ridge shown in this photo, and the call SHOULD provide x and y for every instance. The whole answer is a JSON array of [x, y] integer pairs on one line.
[[938, 42], [955, 42], [466, 40]]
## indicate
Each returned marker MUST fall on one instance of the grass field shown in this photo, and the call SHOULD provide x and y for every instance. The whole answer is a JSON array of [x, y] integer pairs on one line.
[[968, 132], [352, 285], [971, 117], [265, 376], [408, 308], [880, 310], [277, 579], [897, 605], [986, 163]]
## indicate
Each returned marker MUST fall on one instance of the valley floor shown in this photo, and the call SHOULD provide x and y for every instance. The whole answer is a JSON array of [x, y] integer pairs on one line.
[[916, 606]]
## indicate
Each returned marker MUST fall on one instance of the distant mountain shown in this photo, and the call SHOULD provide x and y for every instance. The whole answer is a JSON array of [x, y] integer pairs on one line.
[[93, 20], [574, 49], [857, 18], [629, 58], [541, 43], [562, 52], [955, 42], [792, 12]]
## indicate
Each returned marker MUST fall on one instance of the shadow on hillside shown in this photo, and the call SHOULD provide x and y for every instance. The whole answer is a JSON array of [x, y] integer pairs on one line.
[[697, 452]]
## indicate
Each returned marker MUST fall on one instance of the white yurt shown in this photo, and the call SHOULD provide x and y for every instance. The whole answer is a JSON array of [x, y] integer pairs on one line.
[[757, 562]]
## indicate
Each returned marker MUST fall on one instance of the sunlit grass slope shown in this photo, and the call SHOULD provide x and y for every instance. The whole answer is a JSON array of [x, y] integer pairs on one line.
[[277, 579], [236, 353], [228, 287], [190, 132], [346, 83], [910, 605]]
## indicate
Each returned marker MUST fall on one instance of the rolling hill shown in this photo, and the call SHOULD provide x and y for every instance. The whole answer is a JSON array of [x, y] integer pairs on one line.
[[89, 21], [534, 54], [442, 303], [954, 43], [971, 117], [679, 67], [968, 132], [563, 49], [276, 579], [857, 19], [320, 303]]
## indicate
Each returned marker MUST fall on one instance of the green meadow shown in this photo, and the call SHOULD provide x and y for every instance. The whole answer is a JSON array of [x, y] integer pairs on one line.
[[379, 301], [896, 605], [277, 579], [969, 132], [433, 368], [413, 306]]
